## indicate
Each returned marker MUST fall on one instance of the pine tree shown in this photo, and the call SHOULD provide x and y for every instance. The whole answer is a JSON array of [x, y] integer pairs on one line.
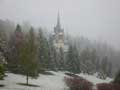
[[73, 64], [2, 71], [13, 50], [88, 60], [61, 63], [117, 78], [104, 65], [97, 65], [93, 58], [109, 71], [3, 43], [85, 60], [2, 66], [43, 51], [28, 52], [52, 54]]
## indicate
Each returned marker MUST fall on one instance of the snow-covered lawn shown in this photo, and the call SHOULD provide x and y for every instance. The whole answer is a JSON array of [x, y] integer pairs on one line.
[[46, 82], [94, 79]]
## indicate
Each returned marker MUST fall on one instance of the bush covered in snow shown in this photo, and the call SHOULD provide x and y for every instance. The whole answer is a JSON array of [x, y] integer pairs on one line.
[[78, 83]]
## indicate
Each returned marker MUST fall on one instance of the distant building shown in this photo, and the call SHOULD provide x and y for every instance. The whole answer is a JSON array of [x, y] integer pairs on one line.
[[59, 37]]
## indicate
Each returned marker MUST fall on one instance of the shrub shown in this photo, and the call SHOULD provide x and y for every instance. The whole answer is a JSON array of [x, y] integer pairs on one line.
[[117, 86], [78, 83], [108, 86]]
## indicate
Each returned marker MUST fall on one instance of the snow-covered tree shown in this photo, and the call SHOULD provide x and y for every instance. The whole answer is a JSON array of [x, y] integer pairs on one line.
[[117, 78], [85, 60], [52, 54], [72, 62], [104, 65], [109, 71], [13, 49], [61, 59], [43, 51]]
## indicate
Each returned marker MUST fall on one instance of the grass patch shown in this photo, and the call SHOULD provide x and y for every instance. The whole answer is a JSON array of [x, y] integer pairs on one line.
[[31, 85], [1, 85]]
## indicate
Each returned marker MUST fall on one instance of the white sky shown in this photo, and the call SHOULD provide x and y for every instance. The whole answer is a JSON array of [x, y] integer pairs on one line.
[[95, 19]]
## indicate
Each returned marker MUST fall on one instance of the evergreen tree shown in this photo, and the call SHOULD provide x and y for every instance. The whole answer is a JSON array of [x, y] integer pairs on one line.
[[117, 78], [2, 66], [61, 63], [89, 61], [104, 65], [28, 52], [109, 71], [3, 43], [93, 58], [52, 54], [73, 64], [13, 50], [97, 65], [43, 51], [2, 71], [85, 60]]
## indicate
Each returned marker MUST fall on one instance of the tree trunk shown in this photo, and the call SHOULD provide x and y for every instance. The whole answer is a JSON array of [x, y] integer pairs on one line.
[[27, 79]]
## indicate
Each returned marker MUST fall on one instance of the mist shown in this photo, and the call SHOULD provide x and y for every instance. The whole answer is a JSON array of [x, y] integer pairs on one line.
[[94, 19]]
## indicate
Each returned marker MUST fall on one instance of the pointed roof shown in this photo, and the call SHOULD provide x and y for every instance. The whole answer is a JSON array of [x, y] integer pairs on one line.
[[58, 28], [58, 20]]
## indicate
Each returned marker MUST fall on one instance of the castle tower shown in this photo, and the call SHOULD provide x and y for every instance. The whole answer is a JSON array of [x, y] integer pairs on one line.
[[58, 36]]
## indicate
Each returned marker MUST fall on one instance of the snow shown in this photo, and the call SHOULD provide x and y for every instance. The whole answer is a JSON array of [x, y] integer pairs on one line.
[[94, 79], [46, 82]]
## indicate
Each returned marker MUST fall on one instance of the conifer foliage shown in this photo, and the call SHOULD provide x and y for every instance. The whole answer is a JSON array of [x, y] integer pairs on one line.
[[73, 63], [3, 43], [13, 50], [28, 53], [43, 51], [117, 78]]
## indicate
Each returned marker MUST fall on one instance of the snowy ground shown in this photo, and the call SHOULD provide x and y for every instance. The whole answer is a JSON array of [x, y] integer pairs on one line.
[[46, 82], [94, 79]]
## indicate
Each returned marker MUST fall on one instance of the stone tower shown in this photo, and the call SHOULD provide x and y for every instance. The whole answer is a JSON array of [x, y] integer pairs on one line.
[[58, 35]]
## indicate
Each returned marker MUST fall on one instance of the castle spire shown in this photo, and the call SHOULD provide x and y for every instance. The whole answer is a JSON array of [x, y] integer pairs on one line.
[[58, 20]]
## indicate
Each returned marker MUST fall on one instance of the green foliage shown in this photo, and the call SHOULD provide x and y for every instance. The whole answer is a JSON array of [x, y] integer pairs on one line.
[[3, 43], [2, 71], [85, 58], [13, 50], [53, 57], [117, 78], [28, 53], [43, 51], [61, 59], [104, 67], [3, 40], [109, 71], [88, 59], [73, 64]]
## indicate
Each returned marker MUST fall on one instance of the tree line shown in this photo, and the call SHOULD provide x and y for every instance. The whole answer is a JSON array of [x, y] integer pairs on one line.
[[28, 53]]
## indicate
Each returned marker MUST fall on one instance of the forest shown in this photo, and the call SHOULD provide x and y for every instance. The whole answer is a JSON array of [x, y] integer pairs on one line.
[[29, 51]]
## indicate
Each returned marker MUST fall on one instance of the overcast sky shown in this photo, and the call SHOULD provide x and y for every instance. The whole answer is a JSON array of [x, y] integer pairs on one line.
[[95, 19]]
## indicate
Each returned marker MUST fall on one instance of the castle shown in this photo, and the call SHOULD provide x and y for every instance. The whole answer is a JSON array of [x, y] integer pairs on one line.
[[59, 36]]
